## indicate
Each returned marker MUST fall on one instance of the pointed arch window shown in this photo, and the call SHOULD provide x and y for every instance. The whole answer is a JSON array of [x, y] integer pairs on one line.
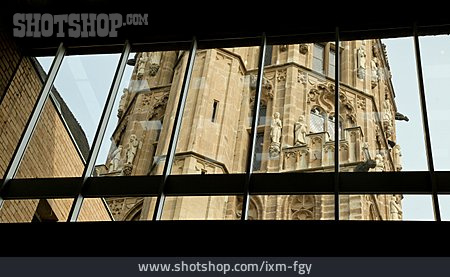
[[317, 121]]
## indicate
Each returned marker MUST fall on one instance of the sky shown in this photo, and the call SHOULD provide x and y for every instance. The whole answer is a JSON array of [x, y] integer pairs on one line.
[[82, 77]]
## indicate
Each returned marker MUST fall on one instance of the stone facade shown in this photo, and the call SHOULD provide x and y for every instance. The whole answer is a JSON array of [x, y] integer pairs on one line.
[[53, 150], [295, 130]]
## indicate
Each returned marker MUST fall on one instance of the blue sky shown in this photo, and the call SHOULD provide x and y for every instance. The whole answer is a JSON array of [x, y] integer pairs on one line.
[[84, 82]]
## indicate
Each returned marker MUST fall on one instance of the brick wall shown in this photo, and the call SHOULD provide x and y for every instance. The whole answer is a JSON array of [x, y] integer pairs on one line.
[[51, 151]]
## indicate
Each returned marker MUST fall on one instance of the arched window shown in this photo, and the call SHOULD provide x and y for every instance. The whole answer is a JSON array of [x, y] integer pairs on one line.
[[316, 121]]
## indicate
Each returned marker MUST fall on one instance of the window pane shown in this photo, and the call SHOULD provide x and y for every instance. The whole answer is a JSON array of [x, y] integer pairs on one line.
[[65, 131], [380, 107], [226, 75], [139, 128], [318, 58], [435, 52], [331, 63], [119, 208], [297, 101], [289, 207], [47, 210], [200, 208], [317, 121], [444, 206], [386, 207], [19, 99]]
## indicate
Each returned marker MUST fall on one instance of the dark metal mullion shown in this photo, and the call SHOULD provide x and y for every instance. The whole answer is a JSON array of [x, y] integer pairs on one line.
[[11, 79], [101, 129], [426, 128], [157, 214], [336, 125], [19, 152], [251, 146]]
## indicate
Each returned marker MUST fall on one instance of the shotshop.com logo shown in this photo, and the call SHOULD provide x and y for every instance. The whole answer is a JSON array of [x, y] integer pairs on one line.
[[75, 25]]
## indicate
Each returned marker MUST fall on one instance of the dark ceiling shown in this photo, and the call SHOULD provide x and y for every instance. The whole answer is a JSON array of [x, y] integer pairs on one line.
[[172, 24]]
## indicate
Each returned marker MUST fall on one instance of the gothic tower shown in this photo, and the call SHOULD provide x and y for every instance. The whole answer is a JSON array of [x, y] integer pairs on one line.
[[295, 130]]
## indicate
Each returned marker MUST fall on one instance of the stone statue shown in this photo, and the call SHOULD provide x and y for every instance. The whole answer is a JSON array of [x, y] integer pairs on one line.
[[397, 157], [114, 164], [374, 68], [300, 131], [122, 103], [275, 128], [361, 72], [141, 64], [275, 135], [379, 163], [387, 118], [132, 149], [395, 209]]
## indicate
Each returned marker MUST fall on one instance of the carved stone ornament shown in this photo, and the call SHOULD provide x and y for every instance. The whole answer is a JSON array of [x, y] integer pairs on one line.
[[302, 207], [323, 95], [361, 102], [153, 69], [274, 149], [281, 75], [283, 47], [127, 169], [160, 102], [302, 77], [266, 84], [303, 48]]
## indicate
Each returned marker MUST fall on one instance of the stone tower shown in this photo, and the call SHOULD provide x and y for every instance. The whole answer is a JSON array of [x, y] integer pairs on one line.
[[295, 128]]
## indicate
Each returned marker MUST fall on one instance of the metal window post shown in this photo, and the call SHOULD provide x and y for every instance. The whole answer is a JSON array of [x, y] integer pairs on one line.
[[157, 214], [337, 68], [101, 129], [251, 144], [19, 152], [426, 129]]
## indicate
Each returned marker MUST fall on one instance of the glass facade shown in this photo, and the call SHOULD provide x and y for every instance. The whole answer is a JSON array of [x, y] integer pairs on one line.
[[160, 123]]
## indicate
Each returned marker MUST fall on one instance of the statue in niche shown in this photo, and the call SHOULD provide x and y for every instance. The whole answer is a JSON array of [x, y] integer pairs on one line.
[[114, 164], [387, 118], [397, 157], [361, 71], [132, 149], [374, 68], [275, 135], [141, 64], [379, 163], [394, 207], [122, 103], [300, 131], [275, 128]]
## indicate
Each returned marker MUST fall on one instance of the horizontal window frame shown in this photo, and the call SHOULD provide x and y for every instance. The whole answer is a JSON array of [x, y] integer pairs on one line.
[[413, 182]]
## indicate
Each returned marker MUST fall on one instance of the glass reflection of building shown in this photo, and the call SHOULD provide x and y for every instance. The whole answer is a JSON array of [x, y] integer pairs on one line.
[[298, 84]]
